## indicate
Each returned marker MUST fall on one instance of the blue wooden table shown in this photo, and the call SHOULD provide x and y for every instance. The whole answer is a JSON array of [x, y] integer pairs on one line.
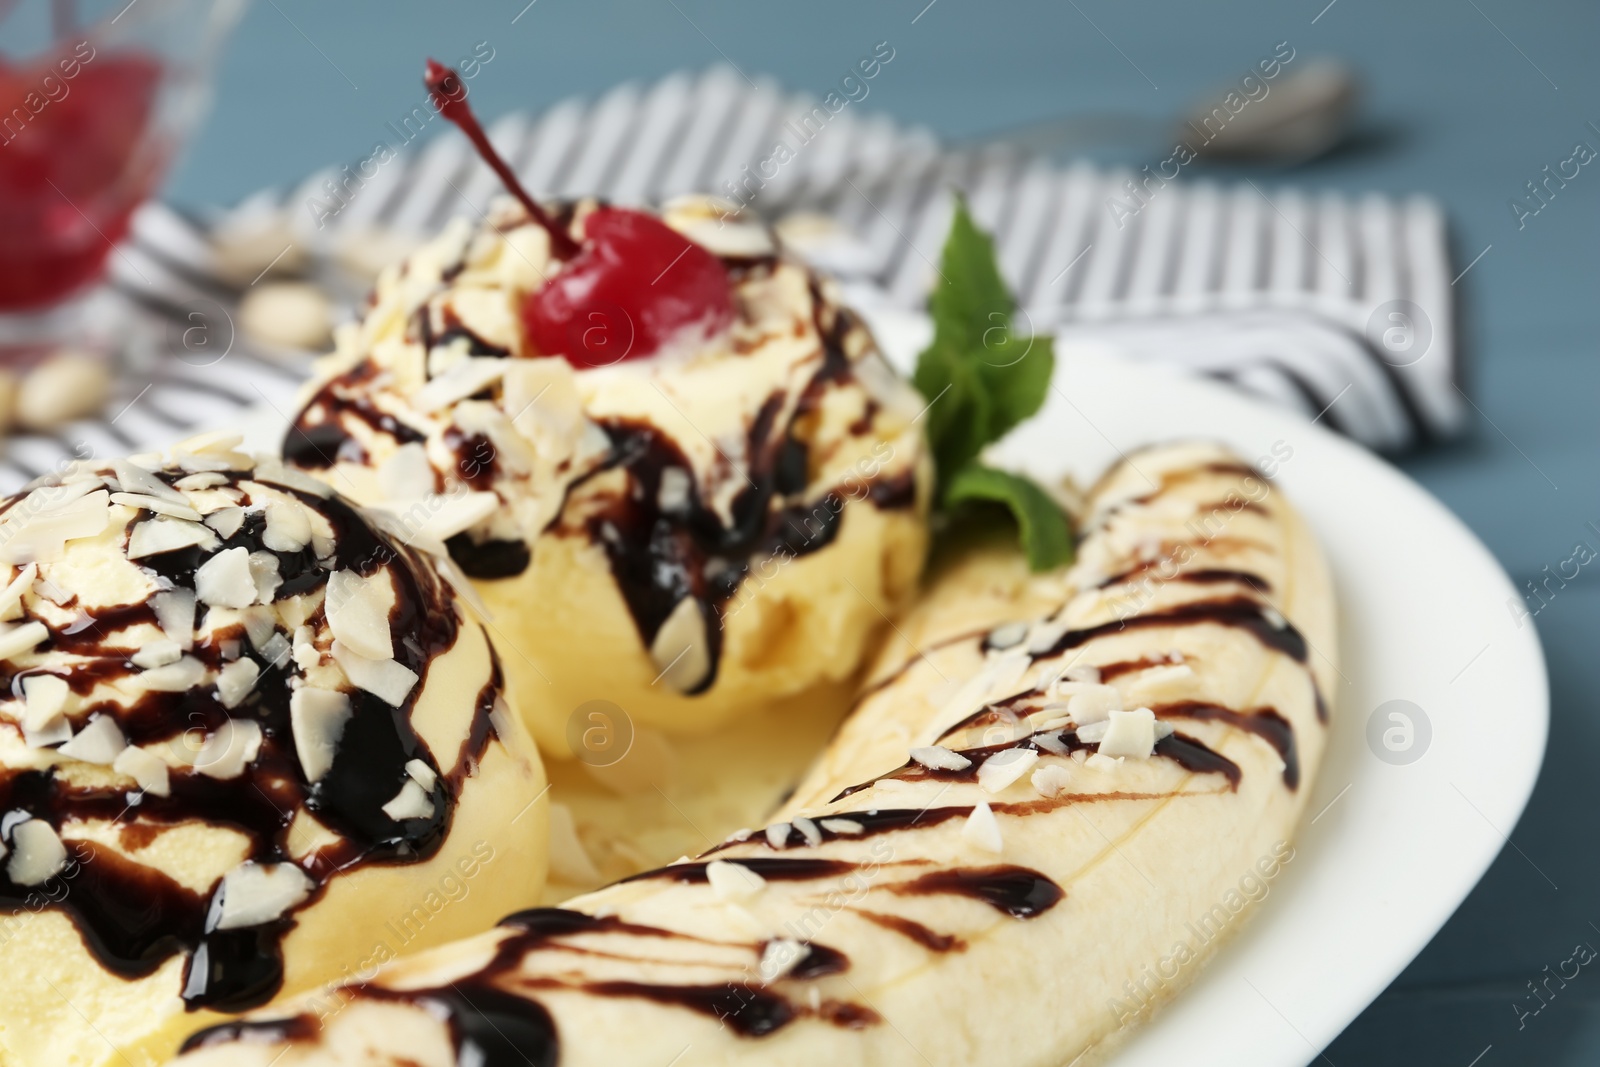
[[1467, 100]]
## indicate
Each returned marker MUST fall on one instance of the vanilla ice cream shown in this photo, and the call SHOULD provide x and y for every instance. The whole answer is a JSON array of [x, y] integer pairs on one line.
[[722, 523], [252, 743]]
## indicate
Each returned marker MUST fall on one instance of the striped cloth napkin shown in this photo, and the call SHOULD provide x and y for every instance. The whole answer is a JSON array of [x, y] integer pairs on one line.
[[1336, 307]]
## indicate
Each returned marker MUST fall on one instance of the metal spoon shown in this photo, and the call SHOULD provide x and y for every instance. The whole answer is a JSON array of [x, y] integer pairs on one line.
[[1306, 113]]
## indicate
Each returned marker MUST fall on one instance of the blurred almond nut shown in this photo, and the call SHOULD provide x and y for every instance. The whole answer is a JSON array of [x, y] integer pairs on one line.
[[64, 387], [245, 249], [289, 314]]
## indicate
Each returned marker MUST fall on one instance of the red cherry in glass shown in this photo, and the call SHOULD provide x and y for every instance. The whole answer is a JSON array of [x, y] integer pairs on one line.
[[633, 284], [636, 284]]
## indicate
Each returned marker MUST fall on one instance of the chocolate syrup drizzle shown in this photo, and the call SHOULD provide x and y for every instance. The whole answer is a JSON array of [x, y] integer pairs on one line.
[[658, 557], [491, 1027], [133, 917]]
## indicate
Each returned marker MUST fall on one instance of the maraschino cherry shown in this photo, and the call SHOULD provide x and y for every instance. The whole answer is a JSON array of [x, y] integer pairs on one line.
[[633, 284]]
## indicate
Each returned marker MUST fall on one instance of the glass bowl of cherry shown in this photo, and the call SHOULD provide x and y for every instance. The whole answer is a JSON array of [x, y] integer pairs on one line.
[[96, 98]]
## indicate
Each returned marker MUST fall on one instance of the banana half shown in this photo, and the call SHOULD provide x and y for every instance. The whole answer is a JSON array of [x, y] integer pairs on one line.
[[1056, 796]]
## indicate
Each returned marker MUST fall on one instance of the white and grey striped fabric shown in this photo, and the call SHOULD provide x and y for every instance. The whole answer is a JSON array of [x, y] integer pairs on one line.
[[1341, 308]]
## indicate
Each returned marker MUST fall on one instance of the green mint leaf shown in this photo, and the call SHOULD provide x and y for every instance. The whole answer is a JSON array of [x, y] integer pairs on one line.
[[1015, 373], [1046, 533], [979, 376], [959, 408], [970, 298]]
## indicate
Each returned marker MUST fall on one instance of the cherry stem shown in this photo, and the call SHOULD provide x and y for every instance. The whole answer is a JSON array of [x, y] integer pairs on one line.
[[449, 94]]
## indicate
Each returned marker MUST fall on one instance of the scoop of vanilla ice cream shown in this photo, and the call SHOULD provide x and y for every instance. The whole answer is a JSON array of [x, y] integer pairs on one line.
[[252, 744], [709, 528]]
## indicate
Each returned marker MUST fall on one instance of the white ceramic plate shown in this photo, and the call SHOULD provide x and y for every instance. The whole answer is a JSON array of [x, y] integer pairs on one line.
[[1388, 849]]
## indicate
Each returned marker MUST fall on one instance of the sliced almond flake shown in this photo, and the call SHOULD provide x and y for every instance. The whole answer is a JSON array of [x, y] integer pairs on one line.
[[1160, 676], [939, 758], [733, 881], [264, 572], [256, 893], [1052, 743], [288, 526], [1007, 635], [145, 768], [174, 610], [276, 650], [673, 496], [37, 854], [211, 441], [412, 802], [226, 521], [1164, 729], [1090, 733], [229, 749], [780, 956], [203, 480], [305, 651], [270, 469], [1003, 768], [1090, 705], [358, 612], [23, 637], [422, 774], [681, 650], [317, 718], [1103, 763], [464, 378], [44, 699], [510, 451], [41, 536], [210, 501], [847, 827], [235, 681], [11, 596], [1130, 733], [1083, 673], [1275, 617], [260, 623], [778, 834], [211, 460], [99, 741], [1051, 780], [157, 653], [1045, 635], [187, 673], [809, 831], [162, 533], [982, 830], [225, 580], [176, 510], [388, 680], [407, 474], [457, 512], [58, 731], [134, 479]]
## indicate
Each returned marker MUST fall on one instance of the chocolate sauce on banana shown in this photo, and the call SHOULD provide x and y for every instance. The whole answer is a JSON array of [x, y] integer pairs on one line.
[[1265, 723], [133, 917]]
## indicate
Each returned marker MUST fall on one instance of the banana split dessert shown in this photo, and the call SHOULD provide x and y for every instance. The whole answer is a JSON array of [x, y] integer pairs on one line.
[[251, 744], [678, 471], [1039, 803]]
